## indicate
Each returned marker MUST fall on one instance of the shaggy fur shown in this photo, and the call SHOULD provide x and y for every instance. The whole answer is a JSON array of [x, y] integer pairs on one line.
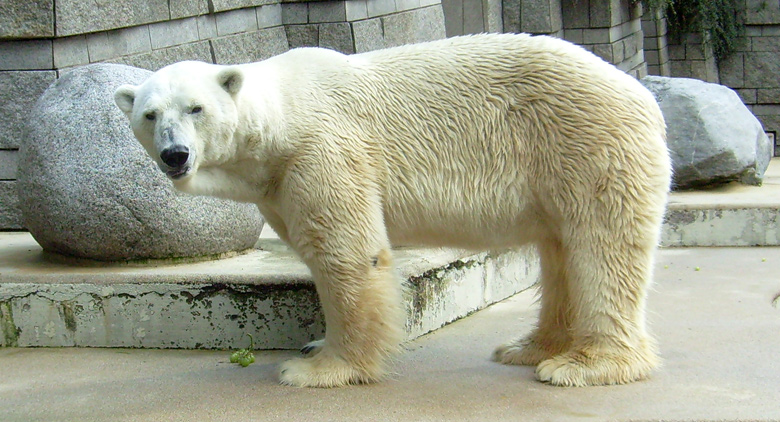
[[477, 142]]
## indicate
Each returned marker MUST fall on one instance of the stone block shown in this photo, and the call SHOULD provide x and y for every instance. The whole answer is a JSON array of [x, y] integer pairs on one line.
[[70, 51], [762, 70], [595, 36], [121, 42], [327, 11], [426, 3], [650, 27], [356, 10], [677, 51], [302, 35], [26, 18], [680, 69], [630, 46], [403, 5], [768, 96], [752, 31], [453, 10], [157, 59], [540, 16], [770, 123], [510, 14], [601, 14], [26, 55], [368, 35], [605, 52], [762, 12], [80, 17], [694, 52], [575, 13], [295, 13], [10, 214], [18, 93], [573, 35], [493, 18], [269, 16], [748, 96], [9, 162], [732, 70], [186, 8], [236, 21], [770, 31], [380, 7], [337, 36], [473, 17], [631, 62], [207, 27], [704, 70], [426, 24], [223, 5], [250, 47], [175, 32], [765, 44]]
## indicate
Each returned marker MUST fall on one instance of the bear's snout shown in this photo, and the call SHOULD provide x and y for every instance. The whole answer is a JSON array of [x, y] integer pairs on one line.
[[175, 156]]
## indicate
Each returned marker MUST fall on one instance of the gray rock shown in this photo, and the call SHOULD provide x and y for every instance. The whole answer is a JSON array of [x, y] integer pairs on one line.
[[88, 189], [713, 138]]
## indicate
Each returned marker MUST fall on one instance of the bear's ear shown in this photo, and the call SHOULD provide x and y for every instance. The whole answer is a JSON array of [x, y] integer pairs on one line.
[[124, 97], [230, 80]]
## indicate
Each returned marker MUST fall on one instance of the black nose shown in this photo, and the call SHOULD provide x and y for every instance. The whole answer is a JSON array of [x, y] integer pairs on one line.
[[175, 156]]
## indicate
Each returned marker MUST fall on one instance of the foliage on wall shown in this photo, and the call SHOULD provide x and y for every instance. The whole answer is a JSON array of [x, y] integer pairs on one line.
[[719, 21]]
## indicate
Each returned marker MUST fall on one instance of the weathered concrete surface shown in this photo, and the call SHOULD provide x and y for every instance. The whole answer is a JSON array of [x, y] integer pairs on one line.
[[730, 215], [212, 304], [717, 331]]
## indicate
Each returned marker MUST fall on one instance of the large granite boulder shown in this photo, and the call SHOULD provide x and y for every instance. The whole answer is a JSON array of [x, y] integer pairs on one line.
[[88, 189], [713, 138]]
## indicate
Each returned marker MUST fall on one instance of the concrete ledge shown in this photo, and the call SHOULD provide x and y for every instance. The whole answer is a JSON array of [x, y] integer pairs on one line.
[[267, 293], [731, 215]]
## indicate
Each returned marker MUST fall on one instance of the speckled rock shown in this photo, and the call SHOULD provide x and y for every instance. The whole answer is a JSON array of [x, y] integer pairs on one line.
[[713, 138], [88, 189]]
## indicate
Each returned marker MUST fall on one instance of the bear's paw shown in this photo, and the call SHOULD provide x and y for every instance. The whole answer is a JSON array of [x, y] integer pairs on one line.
[[579, 368], [323, 370], [530, 350]]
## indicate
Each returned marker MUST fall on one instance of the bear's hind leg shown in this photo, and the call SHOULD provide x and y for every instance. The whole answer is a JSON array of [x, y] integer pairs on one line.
[[607, 281], [551, 336]]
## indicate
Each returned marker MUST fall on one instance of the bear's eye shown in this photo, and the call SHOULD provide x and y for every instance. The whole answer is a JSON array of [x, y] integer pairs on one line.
[[150, 115], [196, 109]]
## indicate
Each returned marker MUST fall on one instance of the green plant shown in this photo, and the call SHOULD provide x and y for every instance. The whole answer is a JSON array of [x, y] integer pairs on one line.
[[718, 21], [244, 357]]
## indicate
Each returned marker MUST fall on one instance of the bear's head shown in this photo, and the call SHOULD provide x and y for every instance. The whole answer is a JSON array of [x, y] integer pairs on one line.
[[184, 115]]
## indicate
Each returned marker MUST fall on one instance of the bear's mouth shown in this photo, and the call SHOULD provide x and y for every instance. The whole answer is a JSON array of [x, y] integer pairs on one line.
[[178, 173]]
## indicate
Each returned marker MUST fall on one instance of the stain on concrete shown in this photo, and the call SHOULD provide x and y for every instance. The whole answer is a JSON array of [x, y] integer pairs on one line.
[[10, 331]]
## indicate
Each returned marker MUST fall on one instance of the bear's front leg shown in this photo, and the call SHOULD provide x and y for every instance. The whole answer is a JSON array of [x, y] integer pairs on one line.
[[338, 230], [364, 324]]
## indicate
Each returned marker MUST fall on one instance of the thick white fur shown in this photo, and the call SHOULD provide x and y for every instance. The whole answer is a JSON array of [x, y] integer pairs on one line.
[[484, 141]]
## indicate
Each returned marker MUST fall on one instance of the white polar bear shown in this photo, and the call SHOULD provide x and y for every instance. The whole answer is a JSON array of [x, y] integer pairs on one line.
[[485, 141]]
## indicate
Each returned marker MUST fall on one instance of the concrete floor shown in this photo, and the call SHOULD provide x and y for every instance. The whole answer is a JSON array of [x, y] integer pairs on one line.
[[718, 328]]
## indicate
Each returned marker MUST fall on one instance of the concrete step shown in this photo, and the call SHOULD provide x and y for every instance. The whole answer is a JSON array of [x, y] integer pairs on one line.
[[267, 293], [45, 302], [731, 215]]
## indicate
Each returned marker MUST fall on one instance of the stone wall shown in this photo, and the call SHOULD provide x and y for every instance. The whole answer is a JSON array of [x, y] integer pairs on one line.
[[754, 69], [41, 38], [751, 70], [611, 29]]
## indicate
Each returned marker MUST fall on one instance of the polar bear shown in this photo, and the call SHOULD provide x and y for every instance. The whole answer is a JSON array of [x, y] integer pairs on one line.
[[478, 142]]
